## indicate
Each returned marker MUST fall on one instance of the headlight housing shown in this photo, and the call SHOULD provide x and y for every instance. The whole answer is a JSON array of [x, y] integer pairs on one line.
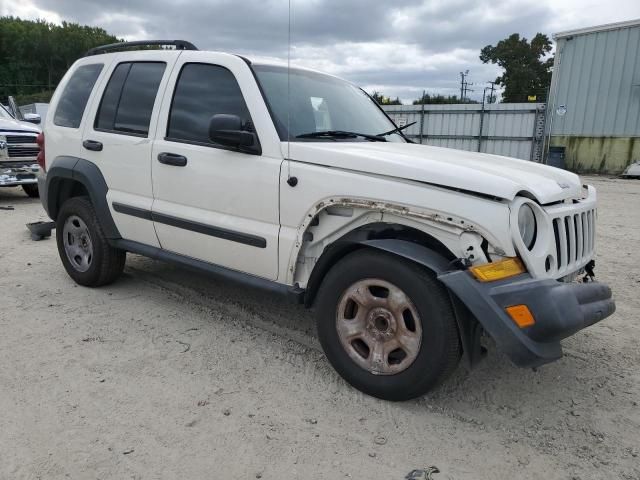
[[527, 225]]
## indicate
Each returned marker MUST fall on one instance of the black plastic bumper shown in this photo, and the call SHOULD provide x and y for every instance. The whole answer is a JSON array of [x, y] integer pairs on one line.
[[559, 309]]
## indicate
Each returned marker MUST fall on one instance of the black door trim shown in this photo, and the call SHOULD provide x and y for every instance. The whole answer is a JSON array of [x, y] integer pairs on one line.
[[133, 211], [218, 232]]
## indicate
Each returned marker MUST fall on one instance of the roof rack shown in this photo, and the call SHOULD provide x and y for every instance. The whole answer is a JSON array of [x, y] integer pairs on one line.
[[179, 44]]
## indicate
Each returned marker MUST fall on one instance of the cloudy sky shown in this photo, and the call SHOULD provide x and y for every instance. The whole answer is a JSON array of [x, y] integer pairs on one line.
[[398, 47]]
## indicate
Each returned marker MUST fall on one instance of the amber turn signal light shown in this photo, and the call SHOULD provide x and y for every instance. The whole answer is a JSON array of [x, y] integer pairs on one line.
[[489, 272], [521, 315]]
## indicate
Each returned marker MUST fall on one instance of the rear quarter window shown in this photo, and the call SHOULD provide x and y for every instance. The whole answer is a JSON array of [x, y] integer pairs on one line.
[[75, 95]]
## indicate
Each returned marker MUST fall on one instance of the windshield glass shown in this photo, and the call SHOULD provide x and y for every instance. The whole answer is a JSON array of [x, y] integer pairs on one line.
[[321, 103], [4, 113]]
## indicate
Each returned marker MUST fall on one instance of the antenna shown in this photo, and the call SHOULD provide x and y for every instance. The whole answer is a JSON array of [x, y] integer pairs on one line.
[[290, 181]]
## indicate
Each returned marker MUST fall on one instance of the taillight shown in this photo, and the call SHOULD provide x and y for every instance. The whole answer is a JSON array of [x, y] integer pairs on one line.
[[40, 158]]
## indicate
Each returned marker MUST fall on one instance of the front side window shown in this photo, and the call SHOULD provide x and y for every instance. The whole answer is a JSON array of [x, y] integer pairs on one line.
[[303, 102], [128, 100], [203, 91], [75, 96]]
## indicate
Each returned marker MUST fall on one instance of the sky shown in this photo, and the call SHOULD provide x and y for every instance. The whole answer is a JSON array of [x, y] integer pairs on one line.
[[399, 48]]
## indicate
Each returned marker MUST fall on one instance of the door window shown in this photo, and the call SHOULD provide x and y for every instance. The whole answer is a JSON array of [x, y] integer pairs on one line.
[[202, 91], [127, 102]]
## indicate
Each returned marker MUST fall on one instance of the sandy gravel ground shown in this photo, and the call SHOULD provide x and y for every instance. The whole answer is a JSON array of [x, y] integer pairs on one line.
[[168, 374]]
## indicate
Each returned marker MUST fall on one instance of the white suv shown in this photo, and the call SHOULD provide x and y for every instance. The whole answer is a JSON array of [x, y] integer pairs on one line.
[[297, 182]]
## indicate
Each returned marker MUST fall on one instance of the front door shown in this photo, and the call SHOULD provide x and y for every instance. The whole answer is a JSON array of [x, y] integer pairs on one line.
[[211, 202]]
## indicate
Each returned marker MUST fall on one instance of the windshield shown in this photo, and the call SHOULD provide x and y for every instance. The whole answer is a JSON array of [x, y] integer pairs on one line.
[[4, 113], [321, 103]]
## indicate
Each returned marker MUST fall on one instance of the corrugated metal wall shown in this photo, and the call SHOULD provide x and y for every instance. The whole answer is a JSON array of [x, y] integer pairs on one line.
[[596, 79], [510, 129]]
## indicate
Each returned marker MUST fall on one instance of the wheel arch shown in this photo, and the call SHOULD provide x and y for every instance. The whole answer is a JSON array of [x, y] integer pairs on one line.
[[413, 245], [404, 241], [71, 177]]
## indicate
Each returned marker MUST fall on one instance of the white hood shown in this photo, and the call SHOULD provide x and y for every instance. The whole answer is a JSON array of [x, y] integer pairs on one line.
[[494, 175], [12, 125]]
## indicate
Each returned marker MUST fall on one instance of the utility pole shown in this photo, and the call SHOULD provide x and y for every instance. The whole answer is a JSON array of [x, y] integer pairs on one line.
[[482, 112], [493, 87], [467, 89], [463, 84]]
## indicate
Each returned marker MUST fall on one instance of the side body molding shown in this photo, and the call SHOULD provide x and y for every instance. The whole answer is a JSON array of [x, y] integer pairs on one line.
[[58, 186]]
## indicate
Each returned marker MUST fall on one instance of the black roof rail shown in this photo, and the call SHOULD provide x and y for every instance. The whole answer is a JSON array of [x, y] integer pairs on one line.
[[179, 44]]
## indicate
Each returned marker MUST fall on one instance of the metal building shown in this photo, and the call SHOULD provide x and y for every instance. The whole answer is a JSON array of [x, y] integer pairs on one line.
[[594, 109], [510, 129]]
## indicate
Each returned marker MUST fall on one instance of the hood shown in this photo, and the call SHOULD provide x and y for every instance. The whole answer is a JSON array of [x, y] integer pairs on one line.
[[12, 125], [493, 175]]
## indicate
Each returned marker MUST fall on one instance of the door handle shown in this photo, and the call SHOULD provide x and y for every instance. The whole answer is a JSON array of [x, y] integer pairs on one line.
[[172, 159], [92, 145]]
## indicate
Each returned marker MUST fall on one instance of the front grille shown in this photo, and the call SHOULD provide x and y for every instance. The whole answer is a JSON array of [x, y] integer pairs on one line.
[[18, 164], [22, 151], [20, 139], [575, 235]]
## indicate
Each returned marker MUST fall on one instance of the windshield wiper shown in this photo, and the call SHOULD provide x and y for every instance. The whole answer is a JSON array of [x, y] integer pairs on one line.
[[342, 134], [396, 130]]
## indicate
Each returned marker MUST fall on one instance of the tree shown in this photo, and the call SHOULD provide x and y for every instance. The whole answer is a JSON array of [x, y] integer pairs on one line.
[[34, 55], [428, 99], [527, 66], [382, 100]]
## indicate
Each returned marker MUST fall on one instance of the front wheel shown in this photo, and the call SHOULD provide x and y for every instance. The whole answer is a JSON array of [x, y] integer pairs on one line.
[[387, 325]]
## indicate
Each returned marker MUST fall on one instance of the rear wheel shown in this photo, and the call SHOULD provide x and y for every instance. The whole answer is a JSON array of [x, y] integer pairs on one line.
[[387, 325], [85, 253], [31, 189]]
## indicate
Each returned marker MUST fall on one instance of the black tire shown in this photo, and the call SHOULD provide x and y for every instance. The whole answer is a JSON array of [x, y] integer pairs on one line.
[[439, 350], [31, 189], [106, 263]]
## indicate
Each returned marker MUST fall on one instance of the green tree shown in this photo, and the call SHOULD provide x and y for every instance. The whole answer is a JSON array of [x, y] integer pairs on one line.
[[34, 55], [382, 100], [428, 99], [527, 66]]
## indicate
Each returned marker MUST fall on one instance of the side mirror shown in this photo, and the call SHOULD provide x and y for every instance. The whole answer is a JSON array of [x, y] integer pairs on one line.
[[226, 130], [32, 118]]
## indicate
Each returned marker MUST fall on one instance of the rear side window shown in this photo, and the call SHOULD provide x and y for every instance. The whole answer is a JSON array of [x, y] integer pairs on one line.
[[201, 92], [75, 95], [128, 100]]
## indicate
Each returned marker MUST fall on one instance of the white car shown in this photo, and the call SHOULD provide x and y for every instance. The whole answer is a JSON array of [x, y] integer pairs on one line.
[[297, 182], [18, 151]]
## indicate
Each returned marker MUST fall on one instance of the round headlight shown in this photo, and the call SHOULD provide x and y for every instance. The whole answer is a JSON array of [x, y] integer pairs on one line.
[[527, 225]]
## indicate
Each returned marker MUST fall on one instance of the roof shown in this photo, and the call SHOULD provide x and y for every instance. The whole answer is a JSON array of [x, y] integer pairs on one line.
[[598, 28]]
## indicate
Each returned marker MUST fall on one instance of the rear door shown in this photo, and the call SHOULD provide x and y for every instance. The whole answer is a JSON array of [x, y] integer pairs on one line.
[[118, 137], [218, 204]]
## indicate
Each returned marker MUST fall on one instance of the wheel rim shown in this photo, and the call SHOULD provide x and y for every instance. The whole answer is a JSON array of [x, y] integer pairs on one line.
[[77, 243], [379, 327]]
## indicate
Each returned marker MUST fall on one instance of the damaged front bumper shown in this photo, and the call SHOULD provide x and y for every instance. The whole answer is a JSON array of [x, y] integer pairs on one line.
[[13, 174], [559, 310]]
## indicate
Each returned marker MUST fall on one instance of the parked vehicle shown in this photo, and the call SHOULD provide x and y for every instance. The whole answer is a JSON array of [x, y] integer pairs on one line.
[[18, 151], [297, 182]]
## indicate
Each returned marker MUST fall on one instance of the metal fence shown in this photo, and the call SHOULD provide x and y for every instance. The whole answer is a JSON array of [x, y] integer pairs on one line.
[[510, 129]]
